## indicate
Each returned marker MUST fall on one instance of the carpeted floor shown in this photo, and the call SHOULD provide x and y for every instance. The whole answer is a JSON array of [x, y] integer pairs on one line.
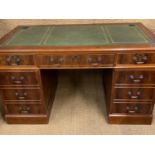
[[78, 108]]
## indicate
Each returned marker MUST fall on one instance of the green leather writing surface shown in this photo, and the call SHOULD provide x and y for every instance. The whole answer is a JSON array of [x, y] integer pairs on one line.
[[78, 35], [126, 34], [27, 36]]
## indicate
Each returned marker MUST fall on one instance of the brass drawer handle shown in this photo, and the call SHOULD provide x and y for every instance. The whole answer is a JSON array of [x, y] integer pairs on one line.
[[57, 60], [25, 94], [20, 81], [136, 80], [138, 93], [132, 110], [8, 60], [95, 61], [140, 59], [99, 59], [24, 109], [13, 60], [17, 60]]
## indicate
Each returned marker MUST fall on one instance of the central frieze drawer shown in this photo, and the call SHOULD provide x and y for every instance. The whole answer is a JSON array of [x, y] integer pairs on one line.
[[135, 77], [16, 60], [21, 94], [85, 60], [19, 77], [134, 94]]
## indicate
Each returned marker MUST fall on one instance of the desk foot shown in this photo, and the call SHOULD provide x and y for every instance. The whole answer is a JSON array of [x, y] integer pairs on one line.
[[132, 119]]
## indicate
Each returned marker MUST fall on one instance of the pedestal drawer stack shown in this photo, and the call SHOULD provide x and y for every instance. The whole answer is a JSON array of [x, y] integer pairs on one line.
[[20, 86], [133, 89]]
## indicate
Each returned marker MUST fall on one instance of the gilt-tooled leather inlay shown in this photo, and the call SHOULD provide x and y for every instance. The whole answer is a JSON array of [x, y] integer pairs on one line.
[[78, 35]]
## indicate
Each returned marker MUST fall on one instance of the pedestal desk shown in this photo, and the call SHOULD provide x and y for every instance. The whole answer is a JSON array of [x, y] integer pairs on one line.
[[31, 55]]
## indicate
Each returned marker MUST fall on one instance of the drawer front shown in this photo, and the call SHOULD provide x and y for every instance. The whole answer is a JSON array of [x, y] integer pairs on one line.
[[24, 109], [16, 60], [134, 94], [132, 108], [19, 78], [21, 94], [61, 60], [135, 77], [136, 58], [76, 60], [52, 60], [100, 60]]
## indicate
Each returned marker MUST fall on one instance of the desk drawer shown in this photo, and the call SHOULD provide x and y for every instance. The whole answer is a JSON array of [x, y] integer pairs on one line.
[[21, 94], [61, 60], [133, 108], [19, 77], [100, 60], [16, 60], [136, 58], [82, 60], [134, 94], [24, 109], [134, 77], [52, 60]]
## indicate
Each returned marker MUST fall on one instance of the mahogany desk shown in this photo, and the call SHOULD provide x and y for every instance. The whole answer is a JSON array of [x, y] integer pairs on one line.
[[31, 55]]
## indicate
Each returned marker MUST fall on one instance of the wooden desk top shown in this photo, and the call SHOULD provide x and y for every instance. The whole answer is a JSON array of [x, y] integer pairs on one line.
[[79, 35]]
